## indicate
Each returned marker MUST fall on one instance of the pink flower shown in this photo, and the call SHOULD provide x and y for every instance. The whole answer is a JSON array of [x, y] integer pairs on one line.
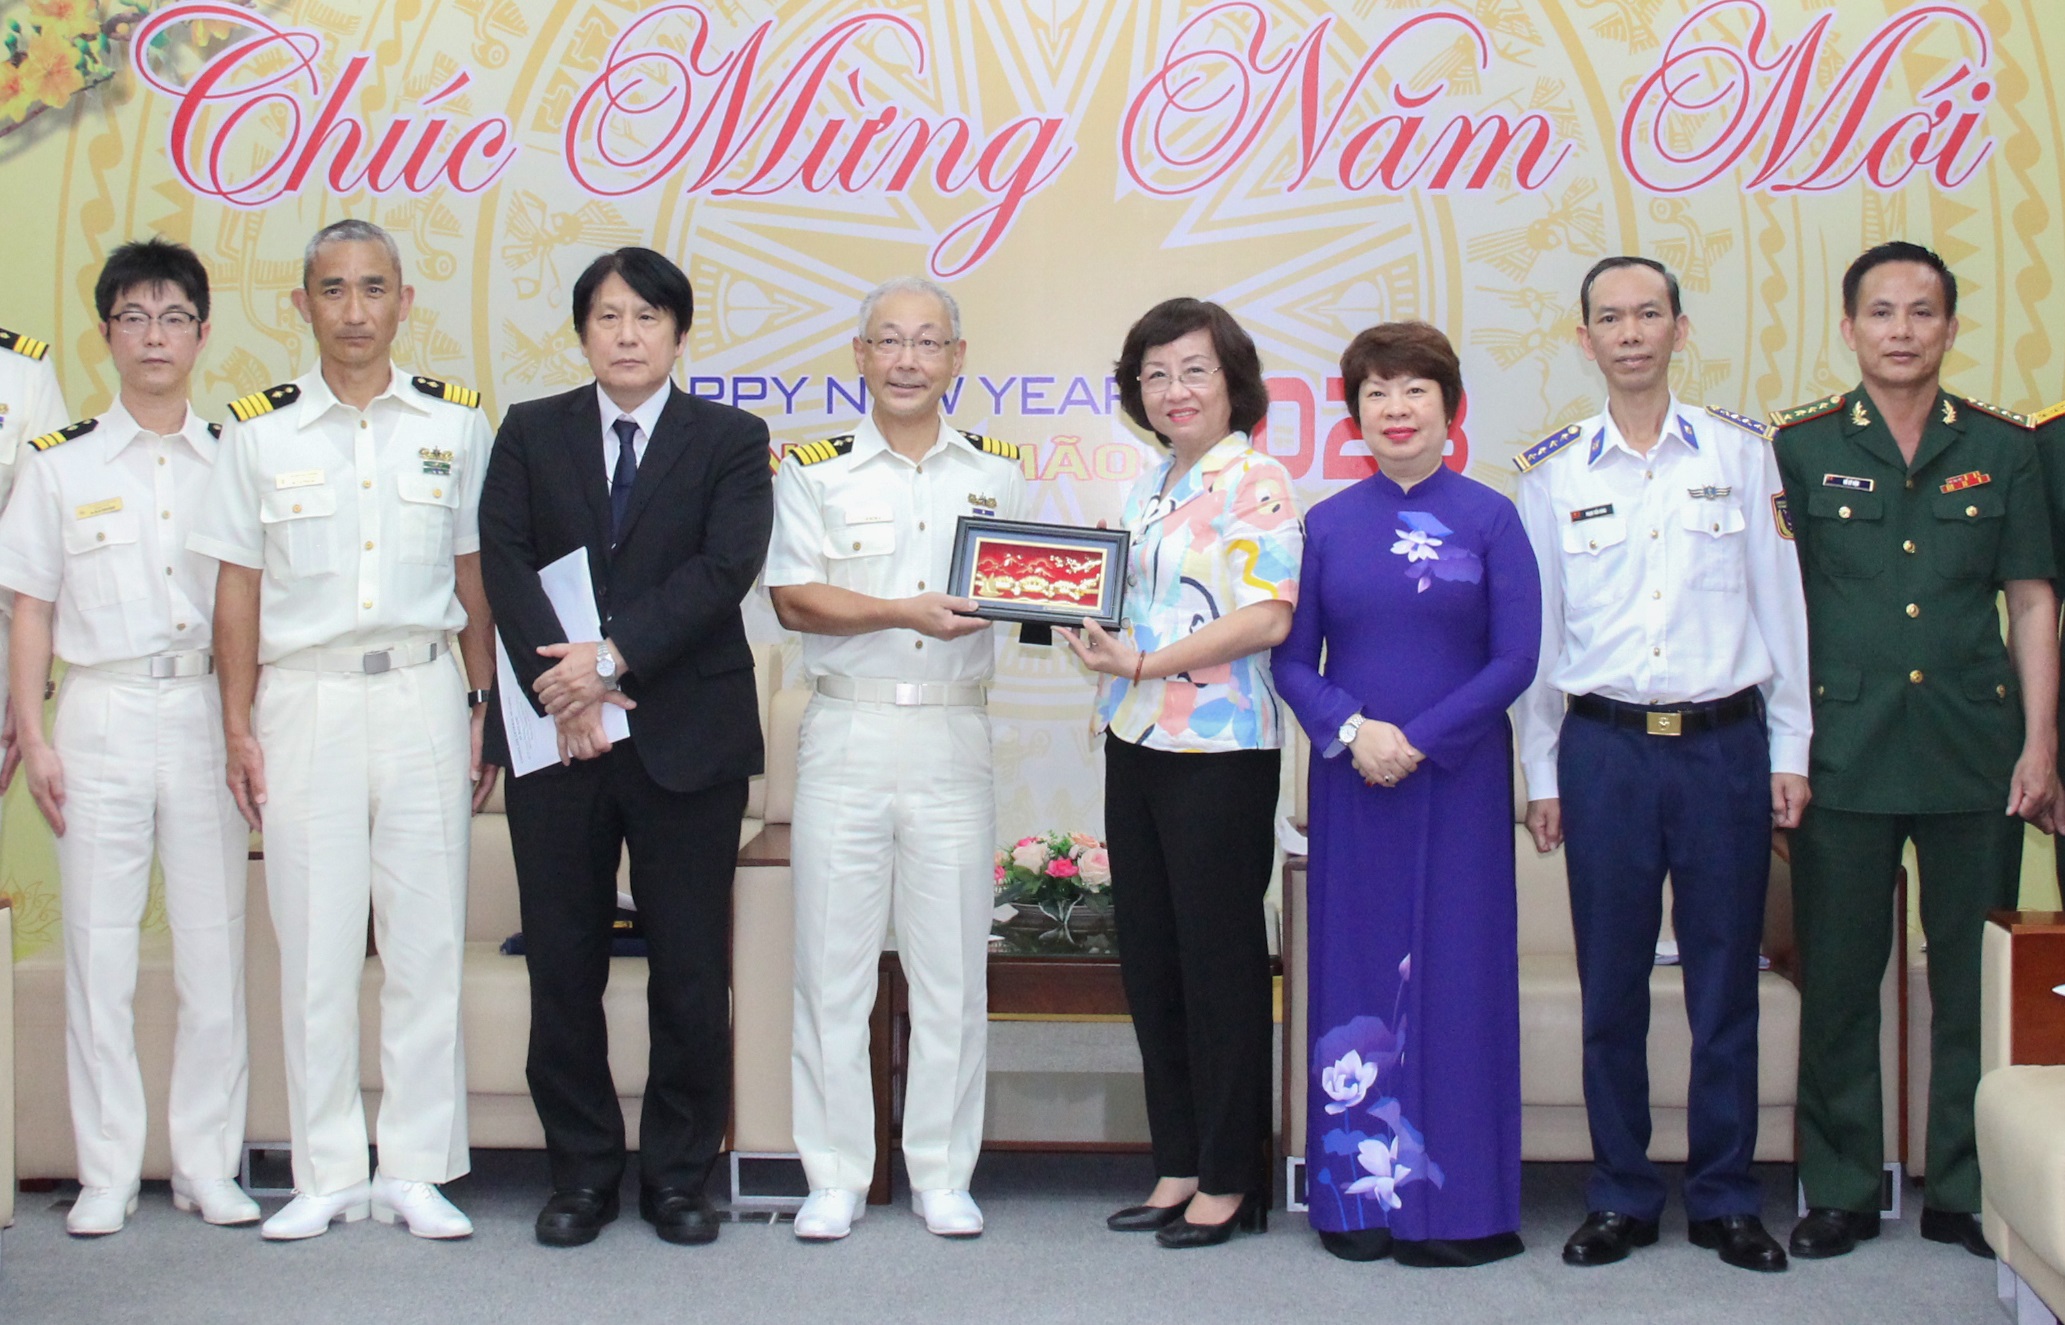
[[1062, 869], [1000, 873], [1096, 865], [1030, 854], [1082, 842]]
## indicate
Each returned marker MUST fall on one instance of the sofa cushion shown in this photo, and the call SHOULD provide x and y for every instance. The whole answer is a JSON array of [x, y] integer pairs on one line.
[[2022, 1153]]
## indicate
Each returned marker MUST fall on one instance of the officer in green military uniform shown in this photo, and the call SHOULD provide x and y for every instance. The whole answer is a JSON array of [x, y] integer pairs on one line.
[[1913, 508]]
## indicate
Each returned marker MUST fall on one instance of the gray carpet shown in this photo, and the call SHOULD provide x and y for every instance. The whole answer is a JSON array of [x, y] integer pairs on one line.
[[1046, 1257]]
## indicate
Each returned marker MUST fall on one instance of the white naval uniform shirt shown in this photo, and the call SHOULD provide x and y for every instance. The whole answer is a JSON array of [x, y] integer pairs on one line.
[[1665, 580], [98, 525], [30, 405], [354, 517], [876, 523]]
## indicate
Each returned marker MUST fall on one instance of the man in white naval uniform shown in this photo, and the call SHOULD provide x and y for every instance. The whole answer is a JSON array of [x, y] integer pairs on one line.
[[344, 513], [93, 545], [31, 404], [895, 809]]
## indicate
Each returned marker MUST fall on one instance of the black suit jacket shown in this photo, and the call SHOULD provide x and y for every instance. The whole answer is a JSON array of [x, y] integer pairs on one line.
[[694, 539]]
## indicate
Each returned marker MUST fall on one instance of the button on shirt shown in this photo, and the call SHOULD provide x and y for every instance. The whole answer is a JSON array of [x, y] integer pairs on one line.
[[1666, 579], [879, 524], [98, 525], [354, 516]]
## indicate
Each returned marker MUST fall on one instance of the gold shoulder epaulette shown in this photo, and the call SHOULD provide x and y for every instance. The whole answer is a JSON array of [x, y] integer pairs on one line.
[[811, 453], [247, 408], [2051, 415], [1786, 418], [2004, 415], [990, 445], [24, 345], [451, 392], [1748, 425], [64, 434], [1547, 446]]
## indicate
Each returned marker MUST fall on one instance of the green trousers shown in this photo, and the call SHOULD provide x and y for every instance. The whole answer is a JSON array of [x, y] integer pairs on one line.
[[1843, 873]]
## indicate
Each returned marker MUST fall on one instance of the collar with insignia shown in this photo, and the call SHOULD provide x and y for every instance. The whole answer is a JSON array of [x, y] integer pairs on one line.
[[1858, 418]]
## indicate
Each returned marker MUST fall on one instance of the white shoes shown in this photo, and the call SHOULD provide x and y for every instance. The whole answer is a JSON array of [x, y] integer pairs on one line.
[[951, 1214], [308, 1216], [219, 1200], [420, 1207], [100, 1211], [828, 1214]]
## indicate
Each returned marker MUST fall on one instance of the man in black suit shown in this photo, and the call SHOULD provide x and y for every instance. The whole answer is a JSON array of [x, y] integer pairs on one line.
[[671, 497]]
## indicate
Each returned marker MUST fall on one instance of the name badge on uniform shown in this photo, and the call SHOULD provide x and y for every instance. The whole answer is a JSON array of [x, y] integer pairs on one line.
[[870, 513], [1591, 513], [1847, 483], [1709, 493], [300, 478], [435, 461], [983, 505], [1963, 481], [91, 509]]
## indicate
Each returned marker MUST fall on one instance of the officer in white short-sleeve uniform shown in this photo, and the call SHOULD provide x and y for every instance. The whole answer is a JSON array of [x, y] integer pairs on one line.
[[31, 404], [343, 511], [895, 809]]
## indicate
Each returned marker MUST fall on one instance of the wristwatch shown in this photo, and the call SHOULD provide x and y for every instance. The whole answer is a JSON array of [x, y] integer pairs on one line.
[[1348, 730], [606, 664], [476, 698]]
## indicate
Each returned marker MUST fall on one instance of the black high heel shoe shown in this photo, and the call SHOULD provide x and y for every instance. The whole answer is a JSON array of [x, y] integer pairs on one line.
[[1144, 1218], [1251, 1217]]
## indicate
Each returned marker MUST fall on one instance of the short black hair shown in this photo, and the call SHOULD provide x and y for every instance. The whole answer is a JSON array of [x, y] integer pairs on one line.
[[151, 262], [1239, 363], [651, 276], [1898, 250], [1604, 265]]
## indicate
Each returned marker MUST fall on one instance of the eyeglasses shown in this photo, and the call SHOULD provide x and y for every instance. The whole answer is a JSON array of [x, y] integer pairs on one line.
[[134, 322], [889, 347], [1157, 382]]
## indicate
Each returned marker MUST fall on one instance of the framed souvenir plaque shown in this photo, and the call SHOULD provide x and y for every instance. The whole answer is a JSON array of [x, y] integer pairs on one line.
[[1047, 574]]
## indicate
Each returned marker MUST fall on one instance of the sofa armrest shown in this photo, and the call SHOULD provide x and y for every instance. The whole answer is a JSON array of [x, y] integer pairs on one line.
[[2022, 989]]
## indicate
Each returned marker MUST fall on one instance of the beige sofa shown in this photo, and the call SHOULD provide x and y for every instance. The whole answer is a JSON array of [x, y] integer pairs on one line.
[[2021, 1110]]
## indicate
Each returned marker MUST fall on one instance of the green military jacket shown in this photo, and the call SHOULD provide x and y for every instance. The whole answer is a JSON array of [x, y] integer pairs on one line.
[[1916, 705]]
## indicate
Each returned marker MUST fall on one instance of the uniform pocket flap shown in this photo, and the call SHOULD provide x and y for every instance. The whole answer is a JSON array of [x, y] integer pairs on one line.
[[1594, 535], [1993, 683], [1841, 683], [1982, 503], [863, 540], [112, 529], [431, 489], [1714, 518], [1838, 504], [296, 504]]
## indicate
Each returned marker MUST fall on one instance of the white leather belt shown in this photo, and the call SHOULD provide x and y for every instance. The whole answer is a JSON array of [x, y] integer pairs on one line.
[[906, 694], [160, 666], [371, 662]]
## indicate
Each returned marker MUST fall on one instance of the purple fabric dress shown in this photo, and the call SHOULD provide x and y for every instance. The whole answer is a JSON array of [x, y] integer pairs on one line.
[[1427, 605]]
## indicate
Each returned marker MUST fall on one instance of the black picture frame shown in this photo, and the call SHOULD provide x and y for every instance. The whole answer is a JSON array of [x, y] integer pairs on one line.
[[978, 539]]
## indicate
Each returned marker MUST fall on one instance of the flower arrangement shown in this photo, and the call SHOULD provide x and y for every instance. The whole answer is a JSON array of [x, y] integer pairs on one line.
[[1055, 874], [52, 50]]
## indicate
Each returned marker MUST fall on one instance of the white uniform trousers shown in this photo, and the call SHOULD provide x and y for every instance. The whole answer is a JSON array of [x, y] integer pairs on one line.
[[142, 769], [368, 803], [894, 807]]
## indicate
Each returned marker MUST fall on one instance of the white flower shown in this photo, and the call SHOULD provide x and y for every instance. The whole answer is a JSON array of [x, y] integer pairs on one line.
[[1385, 1172], [1347, 1081], [1416, 546]]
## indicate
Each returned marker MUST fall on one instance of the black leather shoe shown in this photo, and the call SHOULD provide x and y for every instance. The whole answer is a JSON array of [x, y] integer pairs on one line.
[[1455, 1253], [681, 1216], [1741, 1240], [1357, 1244], [1829, 1232], [1951, 1226], [1144, 1218], [1606, 1237], [573, 1216], [1251, 1217]]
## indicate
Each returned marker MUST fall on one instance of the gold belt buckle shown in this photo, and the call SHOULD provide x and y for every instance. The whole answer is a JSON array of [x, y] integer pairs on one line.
[[1664, 724]]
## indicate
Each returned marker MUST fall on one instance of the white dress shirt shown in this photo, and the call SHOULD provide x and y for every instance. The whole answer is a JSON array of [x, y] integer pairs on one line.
[[879, 524], [1666, 579], [30, 405], [646, 416], [98, 526], [354, 516]]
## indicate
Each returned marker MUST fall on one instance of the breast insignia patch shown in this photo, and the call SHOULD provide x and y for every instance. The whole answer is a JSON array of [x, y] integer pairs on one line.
[[816, 453], [450, 392], [247, 408], [64, 434], [1546, 447]]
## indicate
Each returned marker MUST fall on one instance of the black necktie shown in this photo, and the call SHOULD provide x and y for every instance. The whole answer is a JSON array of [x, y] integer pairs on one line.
[[625, 474]]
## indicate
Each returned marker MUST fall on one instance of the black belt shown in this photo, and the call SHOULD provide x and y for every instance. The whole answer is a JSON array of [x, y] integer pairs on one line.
[[1669, 719]]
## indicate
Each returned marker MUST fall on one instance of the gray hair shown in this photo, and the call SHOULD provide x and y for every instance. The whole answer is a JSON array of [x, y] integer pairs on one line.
[[909, 285], [344, 232]]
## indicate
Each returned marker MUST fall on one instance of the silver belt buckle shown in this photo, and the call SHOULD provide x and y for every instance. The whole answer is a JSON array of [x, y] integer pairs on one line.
[[378, 661], [163, 667], [909, 693]]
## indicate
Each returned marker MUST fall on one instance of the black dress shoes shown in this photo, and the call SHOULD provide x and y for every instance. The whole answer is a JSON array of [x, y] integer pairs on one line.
[[1251, 1217], [1741, 1240], [574, 1215], [1606, 1237], [1455, 1253], [1144, 1218], [1829, 1232], [1357, 1244], [1951, 1226], [678, 1214]]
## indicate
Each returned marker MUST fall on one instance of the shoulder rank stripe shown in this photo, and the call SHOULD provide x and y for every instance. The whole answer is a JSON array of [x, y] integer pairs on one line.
[[2004, 415], [450, 392], [812, 453], [990, 445], [63, 435], [2043, 416], [247, 408], [1748, 425], [1546, 447], [24, 345], [1786, 418]]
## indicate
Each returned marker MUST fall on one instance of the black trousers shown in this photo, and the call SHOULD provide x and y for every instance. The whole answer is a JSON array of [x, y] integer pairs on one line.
[[567, 827], [1192, 842]]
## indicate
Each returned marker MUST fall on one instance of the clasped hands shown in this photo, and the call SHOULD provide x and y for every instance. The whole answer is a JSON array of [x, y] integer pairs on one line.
[[573, 694], [1382, 754]]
